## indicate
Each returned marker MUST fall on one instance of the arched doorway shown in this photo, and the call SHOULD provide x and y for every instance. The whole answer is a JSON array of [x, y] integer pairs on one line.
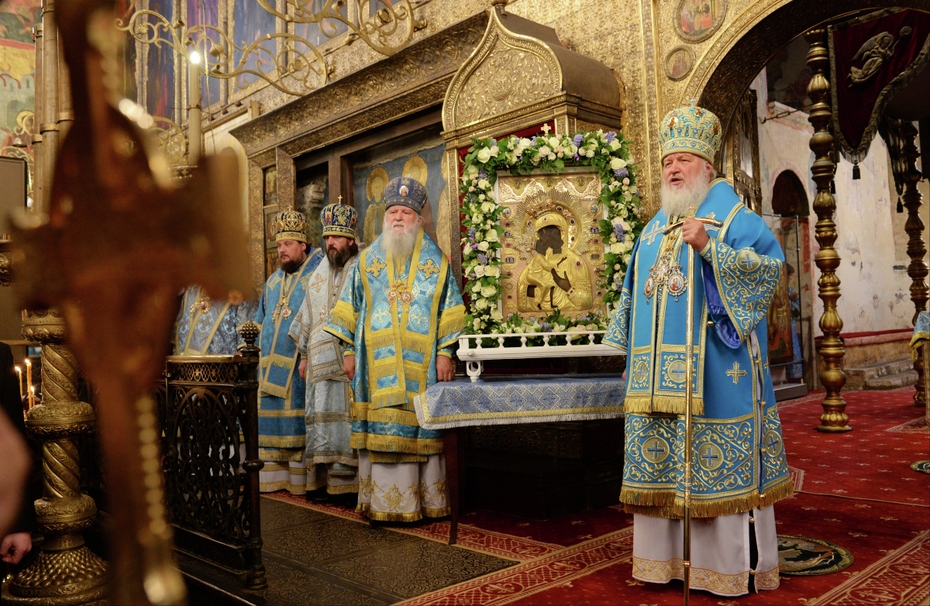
[[719, 82]]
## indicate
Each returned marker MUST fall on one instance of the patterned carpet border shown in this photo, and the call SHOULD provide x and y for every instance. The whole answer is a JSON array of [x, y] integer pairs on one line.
[[914, 426], [529, 578], [488, 542], [889, 580]]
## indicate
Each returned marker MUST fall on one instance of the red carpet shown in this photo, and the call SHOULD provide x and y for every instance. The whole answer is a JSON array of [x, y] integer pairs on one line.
[[855, 489]]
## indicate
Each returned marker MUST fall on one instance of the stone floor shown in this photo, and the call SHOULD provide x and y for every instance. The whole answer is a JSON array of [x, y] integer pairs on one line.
[[314, 558]]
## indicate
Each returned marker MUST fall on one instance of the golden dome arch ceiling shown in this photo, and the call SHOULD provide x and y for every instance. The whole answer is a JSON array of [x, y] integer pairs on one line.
[[521, 75]]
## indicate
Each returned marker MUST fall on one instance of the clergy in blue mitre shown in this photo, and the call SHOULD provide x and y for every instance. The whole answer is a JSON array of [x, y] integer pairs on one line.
[[281, 428], [738, 457], [208, 326], [399, 316]]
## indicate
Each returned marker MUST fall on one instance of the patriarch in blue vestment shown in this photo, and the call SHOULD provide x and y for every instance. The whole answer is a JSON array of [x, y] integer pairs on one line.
[[399, 316], [281, 425], [738, 458]]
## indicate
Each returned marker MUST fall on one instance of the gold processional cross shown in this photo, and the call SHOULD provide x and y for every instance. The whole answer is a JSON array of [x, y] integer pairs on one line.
[[113, 252]]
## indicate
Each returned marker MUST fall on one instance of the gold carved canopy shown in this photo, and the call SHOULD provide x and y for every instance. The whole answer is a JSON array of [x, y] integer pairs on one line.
[[520, 76]]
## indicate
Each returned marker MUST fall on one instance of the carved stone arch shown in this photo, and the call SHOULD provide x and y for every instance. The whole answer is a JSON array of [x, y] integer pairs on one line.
[[741, 51]]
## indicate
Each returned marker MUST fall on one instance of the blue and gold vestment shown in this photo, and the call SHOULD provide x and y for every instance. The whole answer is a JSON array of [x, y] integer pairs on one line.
[[738, 459], [209, 327], [281, 389], [397, 320]]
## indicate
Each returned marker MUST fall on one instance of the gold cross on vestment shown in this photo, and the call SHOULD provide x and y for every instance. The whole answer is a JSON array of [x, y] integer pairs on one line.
[[736, 373], [375, 267], [429, 268]]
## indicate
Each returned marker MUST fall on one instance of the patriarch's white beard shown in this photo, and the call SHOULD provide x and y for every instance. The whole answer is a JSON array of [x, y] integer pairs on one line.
[[690, 195]]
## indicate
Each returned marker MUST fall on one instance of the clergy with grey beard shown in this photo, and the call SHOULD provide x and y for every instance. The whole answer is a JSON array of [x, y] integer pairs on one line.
[[399, 317], [738, 458]]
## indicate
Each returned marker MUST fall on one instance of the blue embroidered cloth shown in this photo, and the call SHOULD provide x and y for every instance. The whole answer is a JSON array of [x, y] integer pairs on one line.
[[494, 401]]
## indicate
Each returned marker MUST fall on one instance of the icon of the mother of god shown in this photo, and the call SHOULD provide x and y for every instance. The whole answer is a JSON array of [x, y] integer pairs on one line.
[[556, 277], [374, 213]]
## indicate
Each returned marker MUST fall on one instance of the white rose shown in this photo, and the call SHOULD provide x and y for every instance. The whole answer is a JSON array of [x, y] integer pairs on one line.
[[524, 142], [484, 184], [589, 153], [614, 145], [479, 271], [488, 291], [634, 190], [626, 181], [544, 151], [552, 156], [481, 304], [494, 151], [483, 246], [492, 271], [476, 288], [471, 172], [553, 141], [617, 164], [476, 323], [484, 154], [616, 248], [487, 207], [491, 236], [496, 315]]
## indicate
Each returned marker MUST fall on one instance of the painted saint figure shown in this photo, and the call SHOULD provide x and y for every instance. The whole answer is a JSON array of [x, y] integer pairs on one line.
[[556, 277]]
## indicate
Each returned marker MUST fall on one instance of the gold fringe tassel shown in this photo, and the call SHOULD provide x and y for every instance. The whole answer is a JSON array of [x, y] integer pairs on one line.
[[667, 404], [380, 339], [344, 315], [667, 504], [452, 320]]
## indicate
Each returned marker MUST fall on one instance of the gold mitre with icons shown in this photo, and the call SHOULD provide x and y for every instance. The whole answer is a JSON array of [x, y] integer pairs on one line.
[[339, 220], [690, 129], [290, 225]]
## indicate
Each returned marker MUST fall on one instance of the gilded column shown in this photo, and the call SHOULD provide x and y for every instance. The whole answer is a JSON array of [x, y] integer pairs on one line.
[[47, 90], [831, 349], [65, 570], [916, 248]]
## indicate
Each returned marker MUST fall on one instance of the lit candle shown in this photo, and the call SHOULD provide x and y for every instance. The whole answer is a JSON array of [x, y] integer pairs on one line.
[[28, 376], [196, 102], [19, 381], [32, 396]]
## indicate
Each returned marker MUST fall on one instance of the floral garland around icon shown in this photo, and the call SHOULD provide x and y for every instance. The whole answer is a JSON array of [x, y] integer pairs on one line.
[[609, 153]]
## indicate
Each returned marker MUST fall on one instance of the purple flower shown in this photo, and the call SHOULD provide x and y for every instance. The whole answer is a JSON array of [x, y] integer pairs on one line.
[[620, 173], [471, 233], [577, 157], [577, 139], [474, 246], [482, 174], [619, 231], [611, 135], [533, 139], [482, 258]]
